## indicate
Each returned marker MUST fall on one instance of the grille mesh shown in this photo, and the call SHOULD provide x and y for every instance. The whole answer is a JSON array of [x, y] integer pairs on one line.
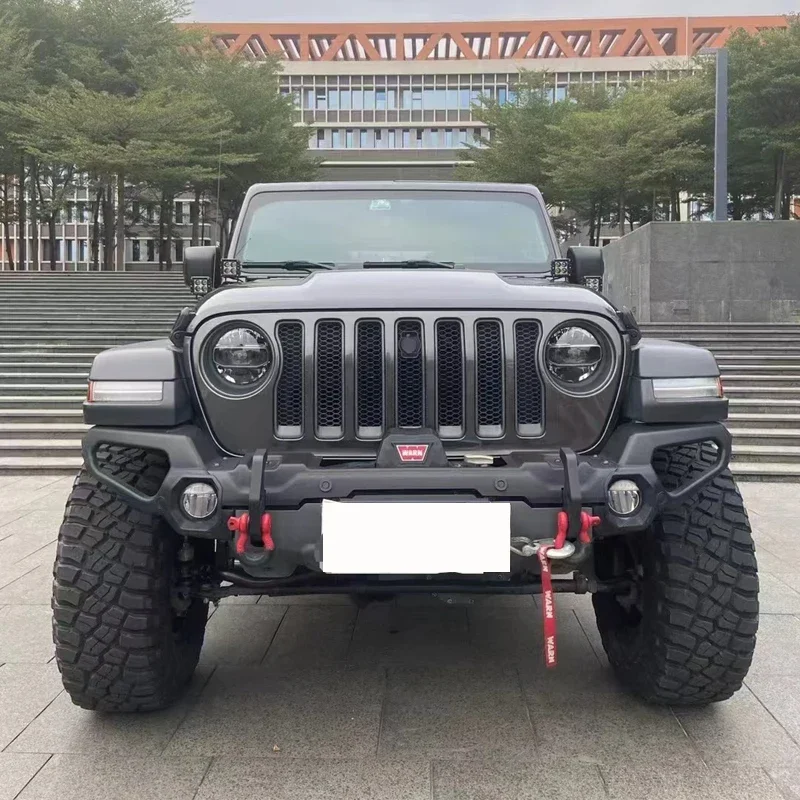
[[449, 377], [529, 387], [369, 377], [410, 377], [489, 370], [289, 389], [330, 372]]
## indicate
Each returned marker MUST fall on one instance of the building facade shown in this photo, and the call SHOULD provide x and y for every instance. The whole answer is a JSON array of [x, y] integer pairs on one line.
[[399, 101]]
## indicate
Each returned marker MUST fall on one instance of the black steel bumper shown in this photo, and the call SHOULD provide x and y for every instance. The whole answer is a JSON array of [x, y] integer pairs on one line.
[[292, 492]]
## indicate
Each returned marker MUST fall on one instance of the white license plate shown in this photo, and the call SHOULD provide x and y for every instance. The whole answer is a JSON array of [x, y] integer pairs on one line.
[[361, 538]]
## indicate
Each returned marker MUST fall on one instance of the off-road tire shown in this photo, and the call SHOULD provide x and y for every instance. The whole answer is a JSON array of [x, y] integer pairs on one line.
[[692, 638], [120, 644]]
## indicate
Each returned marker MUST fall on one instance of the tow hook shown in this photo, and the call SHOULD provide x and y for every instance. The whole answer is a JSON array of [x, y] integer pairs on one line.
[[249, 552]]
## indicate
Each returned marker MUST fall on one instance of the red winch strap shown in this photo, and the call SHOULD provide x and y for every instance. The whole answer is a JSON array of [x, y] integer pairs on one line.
[[548, 609]]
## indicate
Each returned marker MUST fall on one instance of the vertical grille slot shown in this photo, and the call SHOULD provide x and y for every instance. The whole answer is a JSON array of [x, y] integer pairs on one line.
[[329, 371], [489, 378], [289, 388], [410, 374], [528, 384], [449, 379], [369, 379]]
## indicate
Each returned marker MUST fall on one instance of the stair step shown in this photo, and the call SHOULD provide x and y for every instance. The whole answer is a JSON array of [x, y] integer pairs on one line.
[[42, 415], [35, 402], [10, 448], [761, 391], [770, 454], [774, 422], [16, 378], [758, 471], [26, 465], [40, 430], [766, 437]]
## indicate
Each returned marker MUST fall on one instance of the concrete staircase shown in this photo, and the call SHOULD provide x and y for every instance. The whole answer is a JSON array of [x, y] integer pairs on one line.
[[51, 327], [53, 324], [760, 366]]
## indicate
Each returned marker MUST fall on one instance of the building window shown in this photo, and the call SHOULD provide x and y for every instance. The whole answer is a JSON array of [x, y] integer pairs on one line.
[[70, 254], [449, 140], [369, 99], [151, 250], [82, 252], [348, 138], [392, 139], [321, 138], [407, 98], [463, 98], [70, 209], [309, 99], [416, 100], [358, 100], [379, 138], [333, 99], [322, 98], [179, 249], [136, 250], [406, 138], [362, 138], [391, 99], [420, 133], [345, 99], [178, 213]]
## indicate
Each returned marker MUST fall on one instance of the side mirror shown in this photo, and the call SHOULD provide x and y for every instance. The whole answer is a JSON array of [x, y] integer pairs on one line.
[[201, 269], [586, 266]]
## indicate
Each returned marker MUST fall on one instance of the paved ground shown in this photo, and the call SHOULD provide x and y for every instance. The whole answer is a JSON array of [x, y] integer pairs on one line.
[[310, 699]]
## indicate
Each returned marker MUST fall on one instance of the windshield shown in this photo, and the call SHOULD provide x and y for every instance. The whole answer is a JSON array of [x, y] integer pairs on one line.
[[502, 231]]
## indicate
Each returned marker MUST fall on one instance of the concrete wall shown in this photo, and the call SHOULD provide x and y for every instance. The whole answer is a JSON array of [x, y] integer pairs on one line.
[[707, 272]]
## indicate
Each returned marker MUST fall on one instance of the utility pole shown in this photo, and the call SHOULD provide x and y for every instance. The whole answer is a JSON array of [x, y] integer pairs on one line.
[[721, 139]]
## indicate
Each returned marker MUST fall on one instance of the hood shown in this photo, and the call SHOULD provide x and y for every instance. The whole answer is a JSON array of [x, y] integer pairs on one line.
[[399, 289]]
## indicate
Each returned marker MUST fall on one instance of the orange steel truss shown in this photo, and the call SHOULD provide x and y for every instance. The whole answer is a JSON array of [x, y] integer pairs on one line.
[[662, 36]]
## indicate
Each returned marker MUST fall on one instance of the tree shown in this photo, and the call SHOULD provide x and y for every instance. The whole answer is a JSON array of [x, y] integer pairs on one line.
[[765, 106], [149, 136], [263, 143]]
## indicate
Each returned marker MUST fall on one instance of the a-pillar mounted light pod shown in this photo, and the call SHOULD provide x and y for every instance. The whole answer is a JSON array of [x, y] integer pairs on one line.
[[200, 287], [230, 269], [594, 283], [560, 267]]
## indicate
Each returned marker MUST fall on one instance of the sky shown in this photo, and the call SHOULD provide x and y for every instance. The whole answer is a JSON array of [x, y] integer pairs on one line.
[[460, 10]]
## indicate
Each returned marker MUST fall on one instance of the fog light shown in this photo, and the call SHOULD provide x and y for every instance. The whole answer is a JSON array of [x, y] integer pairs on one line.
[[199, 500], [624, 497]]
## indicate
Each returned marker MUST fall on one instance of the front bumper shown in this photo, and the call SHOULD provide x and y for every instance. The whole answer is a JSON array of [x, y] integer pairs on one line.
[[292, 492]]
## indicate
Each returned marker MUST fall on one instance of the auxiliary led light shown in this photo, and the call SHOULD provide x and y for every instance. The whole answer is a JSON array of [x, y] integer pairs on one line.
[[624, 497], [199, 500]]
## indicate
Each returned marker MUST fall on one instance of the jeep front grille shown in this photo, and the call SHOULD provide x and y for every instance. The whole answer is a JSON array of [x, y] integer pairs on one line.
[[474, 378]]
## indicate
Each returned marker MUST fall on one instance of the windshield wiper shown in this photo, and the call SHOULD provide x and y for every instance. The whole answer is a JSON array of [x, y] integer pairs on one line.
[[301, 266], [411, 263]]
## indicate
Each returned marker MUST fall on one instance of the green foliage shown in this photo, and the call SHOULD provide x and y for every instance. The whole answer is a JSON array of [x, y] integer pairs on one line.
[[630, 155], [115, 89]]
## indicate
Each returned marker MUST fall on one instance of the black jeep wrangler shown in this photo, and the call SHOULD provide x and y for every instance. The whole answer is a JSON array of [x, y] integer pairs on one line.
[[402, 387]]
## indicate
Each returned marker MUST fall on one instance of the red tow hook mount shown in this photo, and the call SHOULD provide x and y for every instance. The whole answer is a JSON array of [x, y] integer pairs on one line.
[[587, 523], [241, 527]]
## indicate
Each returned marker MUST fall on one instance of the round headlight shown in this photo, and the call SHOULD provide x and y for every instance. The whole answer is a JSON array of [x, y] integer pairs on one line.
[[241, 357], [573, 355]]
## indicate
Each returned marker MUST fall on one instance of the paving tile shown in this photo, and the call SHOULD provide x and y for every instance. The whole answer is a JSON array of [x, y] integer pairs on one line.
[[308, 779], [31, 533], [26, 636], [454, 712], [777, 646], [649, 781], [597, 721], [787, 779], [517, 634], [313, 635], [33, 588], [16, 770], [66, 728], [387, 634], [493, 779], [780, 695], [738, 731], [45, 556], [245, 711], [25, 691], [307, 600], [71, 777], [240, 634], [775, 596]]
